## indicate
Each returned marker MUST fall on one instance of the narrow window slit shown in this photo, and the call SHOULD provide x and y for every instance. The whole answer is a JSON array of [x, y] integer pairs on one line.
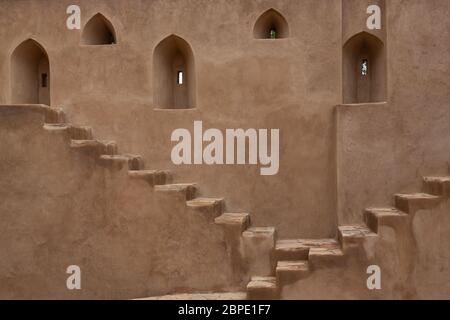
[[364, 67], [44, 80], [273, 33], [180, 77]]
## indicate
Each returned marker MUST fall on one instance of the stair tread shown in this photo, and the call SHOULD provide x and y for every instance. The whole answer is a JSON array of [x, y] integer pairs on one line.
[[143, 173], [200, 202], [200, 296], [292, 266], [414, 196], [321, 251], [262, 283], [79, 143], [116, 157], [382, 212], [259, 231], [175, 186], [302, 244], [232, 218], [56, 126], [437, 178], [356, 231]]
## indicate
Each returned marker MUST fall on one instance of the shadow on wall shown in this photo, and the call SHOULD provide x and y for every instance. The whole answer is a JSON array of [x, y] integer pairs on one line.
[[98, 31], [364, 69], [271, 25], [30, 74], [174, 83]]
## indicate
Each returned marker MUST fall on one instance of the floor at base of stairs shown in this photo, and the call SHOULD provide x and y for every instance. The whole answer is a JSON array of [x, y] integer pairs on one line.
[[201, 296]]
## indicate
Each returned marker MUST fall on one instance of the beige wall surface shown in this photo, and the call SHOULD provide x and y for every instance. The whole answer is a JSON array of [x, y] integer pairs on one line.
[[388, 148], [60, 208], [291, 84]]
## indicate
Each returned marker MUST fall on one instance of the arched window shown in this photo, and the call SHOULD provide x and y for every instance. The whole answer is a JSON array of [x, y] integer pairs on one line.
[[30, 74], [98, 31], [271, 25], [364, 69], [174, 85]]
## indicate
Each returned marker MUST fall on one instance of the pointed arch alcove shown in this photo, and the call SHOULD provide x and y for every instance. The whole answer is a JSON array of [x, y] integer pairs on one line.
[[30, 74], [98, 31], [271, 25], [174, 78], [364, 69]]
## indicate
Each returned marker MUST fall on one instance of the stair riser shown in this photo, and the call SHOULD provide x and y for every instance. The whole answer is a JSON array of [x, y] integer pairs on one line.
[[413, 205], [136, 163], [289, 277], [263, 294], [184, 195], [54, 116], [437, 188], [210, 211], [80, 133], [371, 221], [153, 179], [110, 149], [291, 255], [375, 223], [259, 251], [348, 242]]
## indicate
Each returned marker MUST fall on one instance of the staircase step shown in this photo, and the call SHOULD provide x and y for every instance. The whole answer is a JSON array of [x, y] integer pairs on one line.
[[352, 235], [438, 186], [262, 288], [109, 147], [298, 249], [239, 221], [153, 177], [210, 207], [291, 271], [135, 162], [326, 255], [85, 144], [258, 244], [54, 115], [375, 217], [56, 127], [102, 147], [259, 232], [200, 296], [81, 133], [188, 189], [409, 203]]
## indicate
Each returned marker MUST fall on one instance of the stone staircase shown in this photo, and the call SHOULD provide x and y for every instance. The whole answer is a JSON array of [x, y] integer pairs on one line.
[[296, 259], [267, 263]]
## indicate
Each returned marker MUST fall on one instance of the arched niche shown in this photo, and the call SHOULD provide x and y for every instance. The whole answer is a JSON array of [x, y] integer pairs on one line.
[[98, 31], [30, 74], [364, 69], [174, 79], [271, 25]]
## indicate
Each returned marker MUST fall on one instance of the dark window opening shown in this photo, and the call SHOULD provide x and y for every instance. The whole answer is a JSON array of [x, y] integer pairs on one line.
[[98, 31], [112, 38], [44, 80]]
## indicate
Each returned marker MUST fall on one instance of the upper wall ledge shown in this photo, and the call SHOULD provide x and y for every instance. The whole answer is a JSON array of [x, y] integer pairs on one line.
[[30, 107]]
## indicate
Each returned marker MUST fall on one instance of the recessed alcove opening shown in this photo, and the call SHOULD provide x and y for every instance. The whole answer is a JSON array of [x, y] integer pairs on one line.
[[98, 31], [364, 69], [174, 82], [271, 25], [30, 74]]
